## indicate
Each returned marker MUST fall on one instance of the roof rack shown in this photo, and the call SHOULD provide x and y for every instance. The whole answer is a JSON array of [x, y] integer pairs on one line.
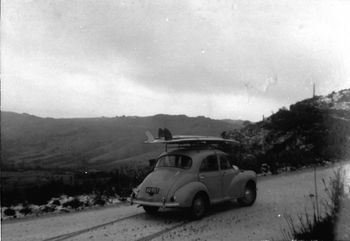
[[189, 142]]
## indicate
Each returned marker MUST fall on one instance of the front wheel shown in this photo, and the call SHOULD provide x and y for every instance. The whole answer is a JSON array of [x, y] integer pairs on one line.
[[150, 209], [249, 195], [199, 206]]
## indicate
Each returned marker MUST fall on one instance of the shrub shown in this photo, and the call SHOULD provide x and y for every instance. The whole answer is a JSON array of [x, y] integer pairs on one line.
[[48, 209], [249, 162], [56, 202], [74, 203], [9, 212], [99, 201], [25, 210]]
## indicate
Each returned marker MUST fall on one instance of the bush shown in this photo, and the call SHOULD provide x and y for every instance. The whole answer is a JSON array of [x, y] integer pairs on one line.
[[48, 209], [99, 201], [74, 203], [56, 202], [249, 162], [9, 212], [25, 210]]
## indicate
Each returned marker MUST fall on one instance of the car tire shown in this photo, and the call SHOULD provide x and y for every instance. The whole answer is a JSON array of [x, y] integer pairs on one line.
[[151, 209], [249, 195], [199, 206]]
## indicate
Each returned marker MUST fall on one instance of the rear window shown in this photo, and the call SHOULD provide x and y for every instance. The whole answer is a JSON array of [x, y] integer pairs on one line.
[[177, 161]]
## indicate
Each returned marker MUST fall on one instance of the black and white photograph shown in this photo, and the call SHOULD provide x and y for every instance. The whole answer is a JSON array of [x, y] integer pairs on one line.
[[195, 120]]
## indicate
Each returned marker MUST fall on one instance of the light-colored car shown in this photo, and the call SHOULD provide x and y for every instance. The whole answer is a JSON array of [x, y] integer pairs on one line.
[[195, 179]]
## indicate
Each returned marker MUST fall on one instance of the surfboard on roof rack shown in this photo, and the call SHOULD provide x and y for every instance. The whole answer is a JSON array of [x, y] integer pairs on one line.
[[165, 137]]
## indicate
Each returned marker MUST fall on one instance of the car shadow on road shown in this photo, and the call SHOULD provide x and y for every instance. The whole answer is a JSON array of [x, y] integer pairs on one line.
[[174, 215]]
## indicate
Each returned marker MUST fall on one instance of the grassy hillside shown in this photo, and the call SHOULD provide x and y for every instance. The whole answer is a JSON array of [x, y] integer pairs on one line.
[[311, 131], [91, 143]]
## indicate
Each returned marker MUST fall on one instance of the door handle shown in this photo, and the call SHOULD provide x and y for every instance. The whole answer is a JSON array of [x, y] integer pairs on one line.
[[201, 177]]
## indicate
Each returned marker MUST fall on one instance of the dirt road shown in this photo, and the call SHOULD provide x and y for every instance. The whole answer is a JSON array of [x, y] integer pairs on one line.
[[287, 193]]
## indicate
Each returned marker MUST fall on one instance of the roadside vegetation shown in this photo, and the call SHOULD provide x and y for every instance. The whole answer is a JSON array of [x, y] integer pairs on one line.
[[314, 131], [88, 190], [316, 225]]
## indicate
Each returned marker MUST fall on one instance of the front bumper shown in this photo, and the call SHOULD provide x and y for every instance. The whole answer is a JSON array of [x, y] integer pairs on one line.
[[154, 204]]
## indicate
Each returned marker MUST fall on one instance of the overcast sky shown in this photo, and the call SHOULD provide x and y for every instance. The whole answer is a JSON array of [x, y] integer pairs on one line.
[[221, 59]]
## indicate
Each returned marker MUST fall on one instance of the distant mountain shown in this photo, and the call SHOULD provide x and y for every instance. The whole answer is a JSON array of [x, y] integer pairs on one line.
[[237, 122], [91, 143], [310, 131]]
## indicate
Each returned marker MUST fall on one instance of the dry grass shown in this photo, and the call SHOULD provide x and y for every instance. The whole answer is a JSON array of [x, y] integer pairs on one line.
[[315, 226]]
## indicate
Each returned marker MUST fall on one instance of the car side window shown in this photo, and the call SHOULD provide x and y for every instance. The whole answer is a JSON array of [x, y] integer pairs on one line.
[[209, 164], [224, 163]]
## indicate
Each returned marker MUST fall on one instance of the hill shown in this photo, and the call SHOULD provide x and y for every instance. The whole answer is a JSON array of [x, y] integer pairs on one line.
[[91, 143], [311, 131]]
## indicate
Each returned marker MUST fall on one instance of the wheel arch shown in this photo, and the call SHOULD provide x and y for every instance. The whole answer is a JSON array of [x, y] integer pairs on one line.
[[247, 177], [185, 194], [251, 182]]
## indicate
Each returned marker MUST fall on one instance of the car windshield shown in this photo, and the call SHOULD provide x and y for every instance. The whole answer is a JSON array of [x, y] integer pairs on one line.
[[177, 161]]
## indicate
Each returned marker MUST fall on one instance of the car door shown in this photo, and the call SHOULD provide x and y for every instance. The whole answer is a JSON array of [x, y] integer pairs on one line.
[[210, 175], [227, 176]]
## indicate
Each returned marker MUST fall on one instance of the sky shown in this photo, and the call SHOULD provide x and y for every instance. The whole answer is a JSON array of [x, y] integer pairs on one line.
[[221, 58]]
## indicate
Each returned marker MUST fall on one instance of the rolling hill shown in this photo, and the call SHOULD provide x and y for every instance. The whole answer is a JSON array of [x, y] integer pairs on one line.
[[310, 131], [91, 143]]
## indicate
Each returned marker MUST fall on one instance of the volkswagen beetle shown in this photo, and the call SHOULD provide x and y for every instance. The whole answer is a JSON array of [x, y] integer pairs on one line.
[[194, 179]]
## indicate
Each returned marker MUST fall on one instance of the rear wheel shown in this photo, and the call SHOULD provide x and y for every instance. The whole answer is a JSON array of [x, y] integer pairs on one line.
[[150, 209], [199, 206], [249, 195]]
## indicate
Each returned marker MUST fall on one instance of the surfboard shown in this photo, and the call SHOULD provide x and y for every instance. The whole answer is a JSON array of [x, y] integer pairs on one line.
[[165, 137]]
